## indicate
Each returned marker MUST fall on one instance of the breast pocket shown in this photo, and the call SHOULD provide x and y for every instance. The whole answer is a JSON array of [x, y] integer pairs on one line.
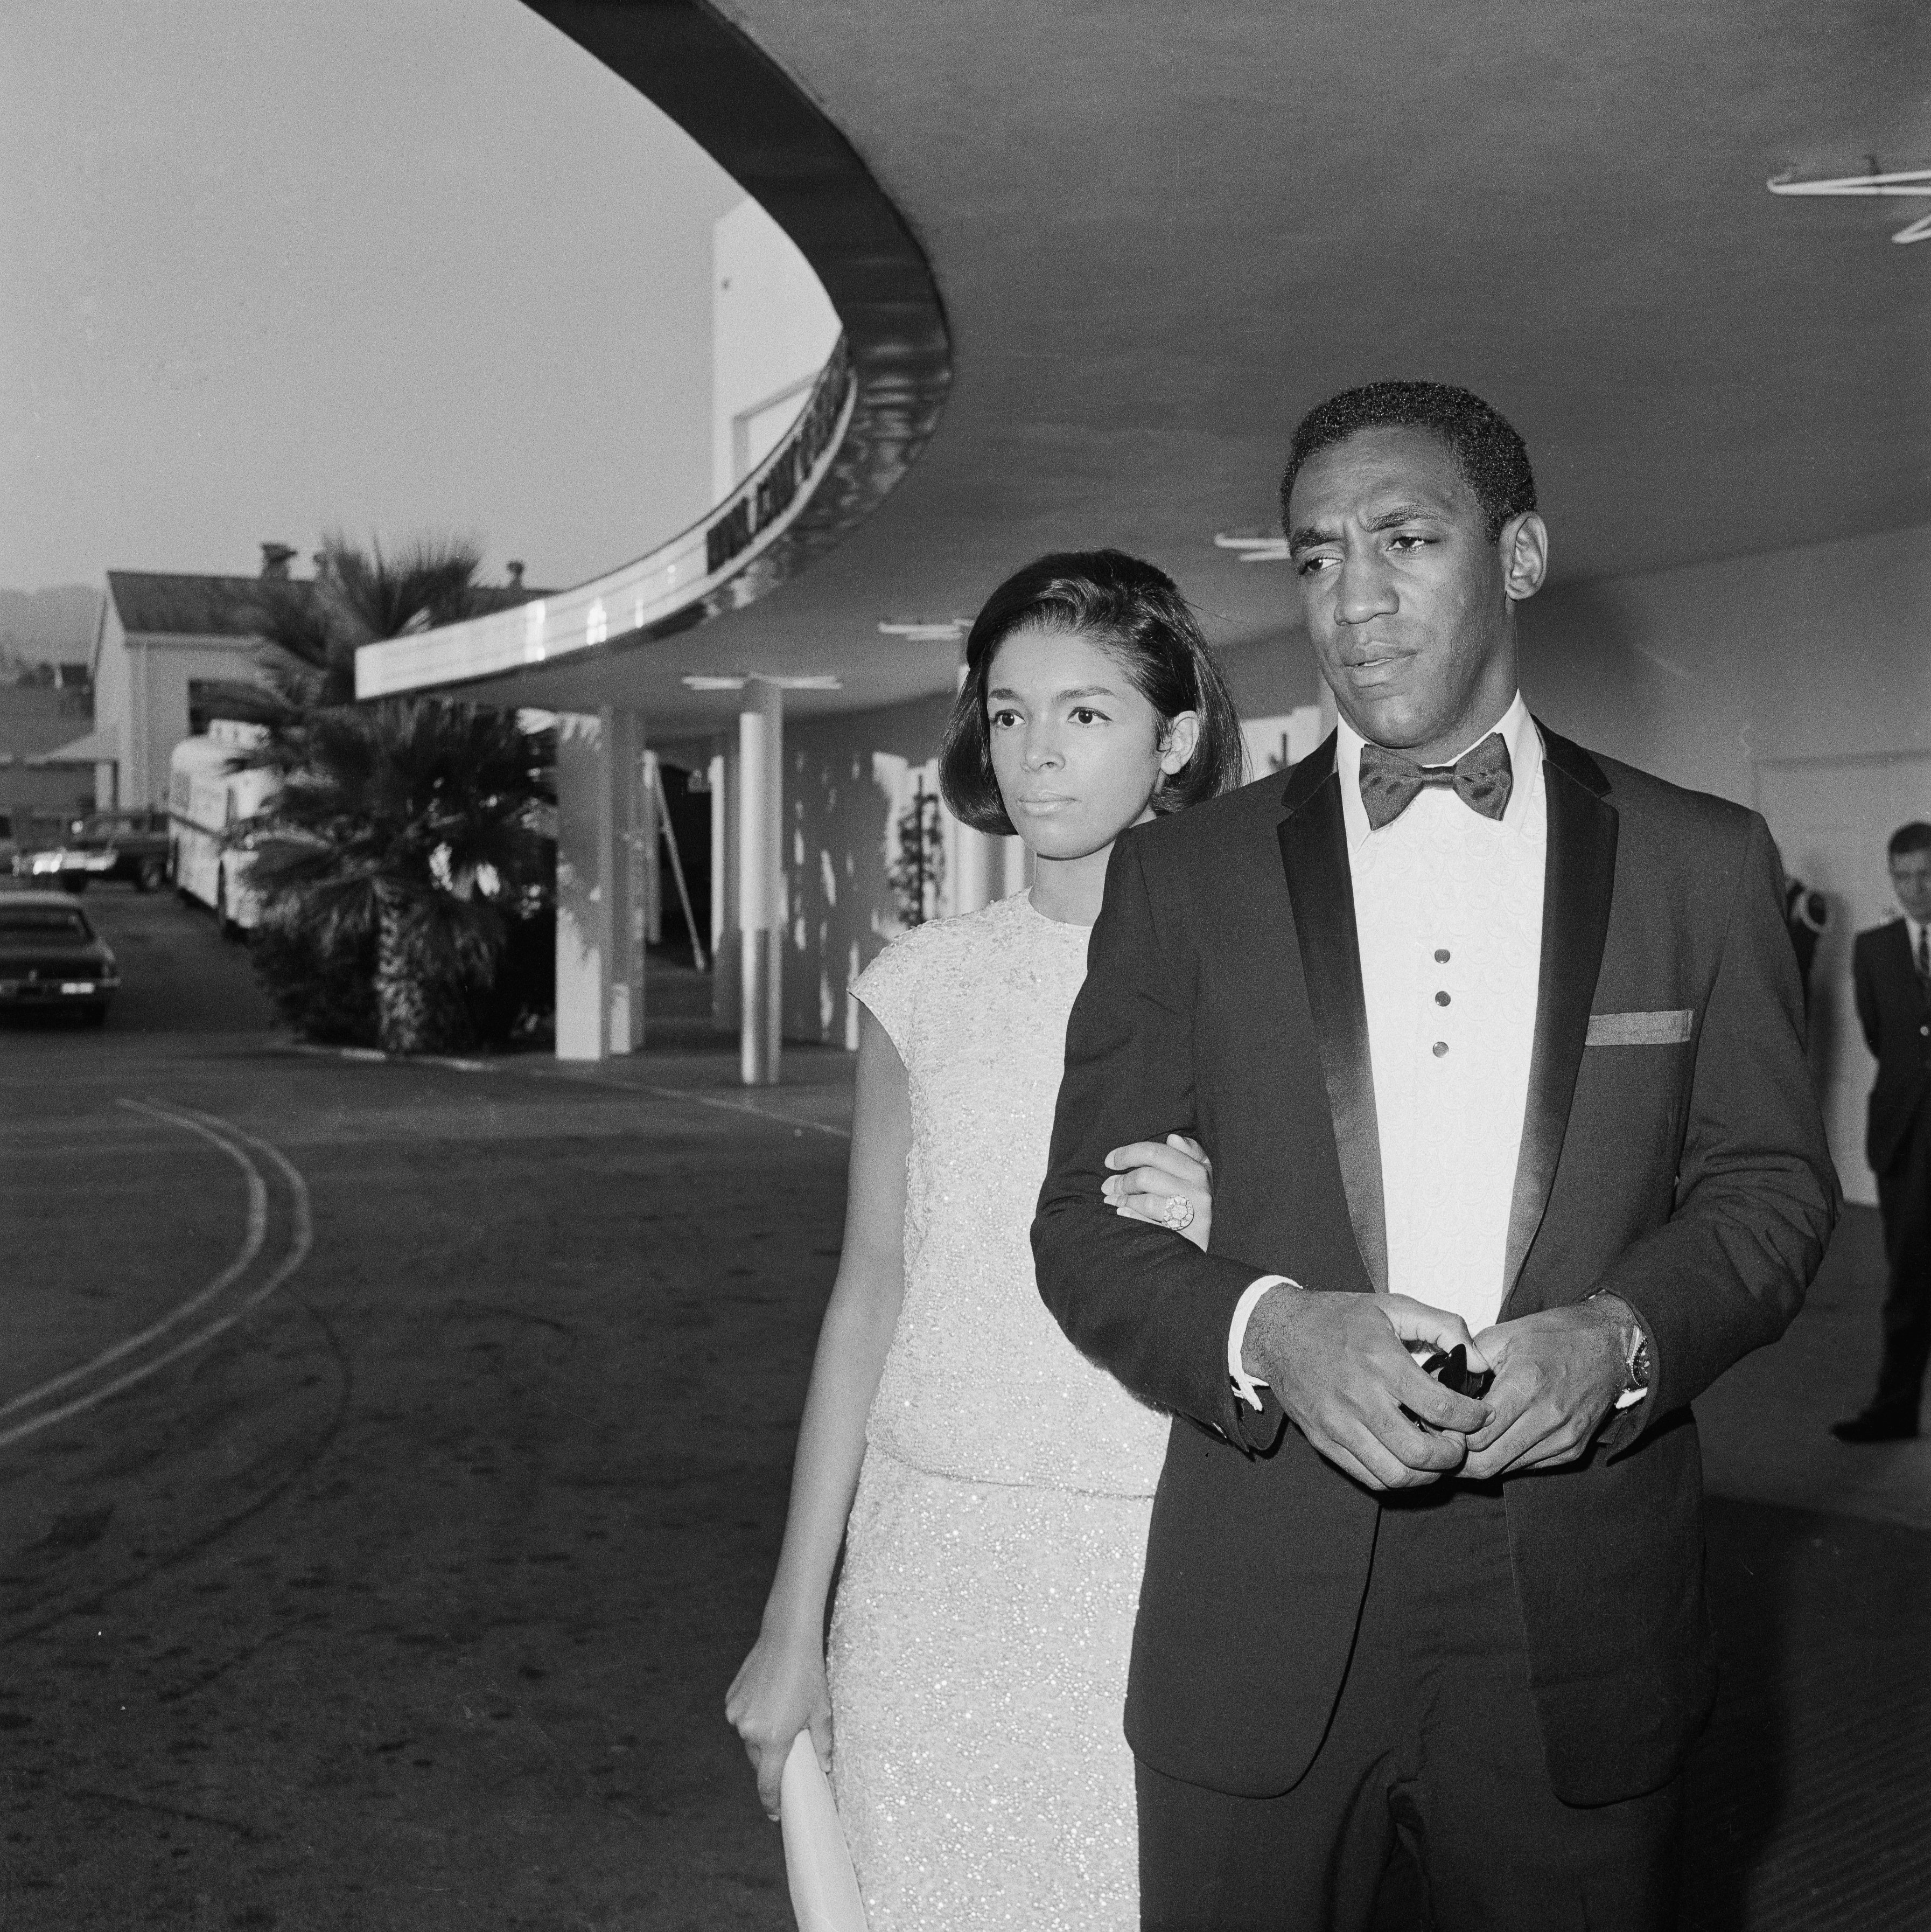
[[1630, 1090], [1664, 1026]]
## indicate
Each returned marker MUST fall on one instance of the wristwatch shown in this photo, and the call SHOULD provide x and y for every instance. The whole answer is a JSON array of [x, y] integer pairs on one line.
[[1638, 1366]]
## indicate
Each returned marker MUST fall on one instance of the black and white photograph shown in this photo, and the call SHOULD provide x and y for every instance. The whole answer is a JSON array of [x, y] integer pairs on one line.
[[965, 968]]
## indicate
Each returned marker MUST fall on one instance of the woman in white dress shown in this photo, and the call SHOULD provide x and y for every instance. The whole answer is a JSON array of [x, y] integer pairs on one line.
[[990, 1486]]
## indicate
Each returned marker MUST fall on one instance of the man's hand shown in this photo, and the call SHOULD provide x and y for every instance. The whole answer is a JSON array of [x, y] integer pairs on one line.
[[1556, 1374], [1338, 1365]]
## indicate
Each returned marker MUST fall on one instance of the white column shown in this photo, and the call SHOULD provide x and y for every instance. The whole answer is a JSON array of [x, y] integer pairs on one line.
[[761, 896], [979, 862], [726, 964], [649, 867], [599, 936], [1014, 857]]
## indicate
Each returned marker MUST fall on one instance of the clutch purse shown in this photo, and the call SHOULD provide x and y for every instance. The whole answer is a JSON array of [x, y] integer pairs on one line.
[[817, 1864]]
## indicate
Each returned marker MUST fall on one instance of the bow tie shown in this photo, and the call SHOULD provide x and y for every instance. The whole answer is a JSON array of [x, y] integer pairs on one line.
[[1483, 779]]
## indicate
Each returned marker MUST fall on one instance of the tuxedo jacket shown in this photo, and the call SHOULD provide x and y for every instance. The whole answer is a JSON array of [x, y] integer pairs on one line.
[[1670, 1152], [1895, 1012]]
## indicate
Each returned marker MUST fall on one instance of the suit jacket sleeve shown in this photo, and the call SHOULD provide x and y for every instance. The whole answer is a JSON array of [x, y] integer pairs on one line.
[[1756, 1194], [1140, 1300]]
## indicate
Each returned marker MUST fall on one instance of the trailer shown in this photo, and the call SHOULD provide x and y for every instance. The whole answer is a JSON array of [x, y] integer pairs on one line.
[[206, 800]]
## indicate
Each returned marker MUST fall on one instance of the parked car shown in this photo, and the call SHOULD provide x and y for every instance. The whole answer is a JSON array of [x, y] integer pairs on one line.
[[50, 956], [129, 845]]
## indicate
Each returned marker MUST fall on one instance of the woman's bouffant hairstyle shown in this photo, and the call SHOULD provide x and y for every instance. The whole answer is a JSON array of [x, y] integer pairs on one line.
[[1137, 614]]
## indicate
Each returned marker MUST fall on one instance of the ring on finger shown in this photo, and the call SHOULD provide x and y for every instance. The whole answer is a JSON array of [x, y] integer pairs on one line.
[[1178, 1214]]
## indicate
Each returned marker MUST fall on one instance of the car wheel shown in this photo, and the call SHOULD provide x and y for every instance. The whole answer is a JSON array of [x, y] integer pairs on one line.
[[152, 875]]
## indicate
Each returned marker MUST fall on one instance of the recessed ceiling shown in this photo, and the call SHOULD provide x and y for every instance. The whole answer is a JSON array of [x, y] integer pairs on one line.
[[1161, 235]]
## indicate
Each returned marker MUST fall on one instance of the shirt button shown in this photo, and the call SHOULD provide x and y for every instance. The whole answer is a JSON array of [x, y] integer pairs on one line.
[[1441, 1047], [1441, 999], [1441, 956]]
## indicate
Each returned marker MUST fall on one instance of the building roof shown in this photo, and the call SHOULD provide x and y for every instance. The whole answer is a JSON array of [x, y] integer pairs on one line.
[[158, 603], [164, 603], [37, 718], [96, 748]]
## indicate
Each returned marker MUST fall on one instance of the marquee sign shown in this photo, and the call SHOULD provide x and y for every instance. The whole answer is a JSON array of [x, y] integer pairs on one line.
[[672, 586]]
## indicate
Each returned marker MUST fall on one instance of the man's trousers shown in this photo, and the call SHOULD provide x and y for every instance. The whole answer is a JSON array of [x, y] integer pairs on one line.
[[1435, 1741], [1904, 1201]]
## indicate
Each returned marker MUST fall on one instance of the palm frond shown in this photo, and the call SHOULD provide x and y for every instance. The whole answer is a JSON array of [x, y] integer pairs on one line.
[[430, 580]]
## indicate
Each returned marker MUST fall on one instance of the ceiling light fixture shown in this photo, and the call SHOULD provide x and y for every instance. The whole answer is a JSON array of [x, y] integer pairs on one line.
[[737, 680], [928, 630], [1252, 546], [1914, 182]]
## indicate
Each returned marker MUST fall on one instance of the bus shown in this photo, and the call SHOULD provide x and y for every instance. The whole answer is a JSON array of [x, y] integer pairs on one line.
[[205, 799]]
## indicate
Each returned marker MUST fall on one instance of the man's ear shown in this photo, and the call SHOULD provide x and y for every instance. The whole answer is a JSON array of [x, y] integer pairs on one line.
[[1523, 546]]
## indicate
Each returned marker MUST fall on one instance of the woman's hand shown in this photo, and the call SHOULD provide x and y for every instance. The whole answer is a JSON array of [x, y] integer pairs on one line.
[[1149, 1176], [779, 1690]]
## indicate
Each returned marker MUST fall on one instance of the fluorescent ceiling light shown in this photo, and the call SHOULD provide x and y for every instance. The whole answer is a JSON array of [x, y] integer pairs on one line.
[[1913, 182], [736, 681], [1252, 546], [928, 630]]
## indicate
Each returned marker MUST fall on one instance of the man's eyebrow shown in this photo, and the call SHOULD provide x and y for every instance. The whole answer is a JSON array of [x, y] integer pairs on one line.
[[1402, 513], [1303, 534]]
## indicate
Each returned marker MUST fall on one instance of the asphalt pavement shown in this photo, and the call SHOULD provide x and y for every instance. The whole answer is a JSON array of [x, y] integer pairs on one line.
[[392, 1455]]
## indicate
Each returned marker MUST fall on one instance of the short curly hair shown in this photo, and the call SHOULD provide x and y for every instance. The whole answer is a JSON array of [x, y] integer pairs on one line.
[[1493, 458], [1135, 611]]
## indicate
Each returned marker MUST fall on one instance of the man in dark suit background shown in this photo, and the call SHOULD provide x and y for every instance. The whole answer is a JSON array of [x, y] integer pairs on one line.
[[1891, 970], [1492, 1042]]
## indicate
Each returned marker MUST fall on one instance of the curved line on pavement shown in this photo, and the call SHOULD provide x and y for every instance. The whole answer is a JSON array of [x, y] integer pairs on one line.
[[302, 1232], [751, 1107], [251, 1246]]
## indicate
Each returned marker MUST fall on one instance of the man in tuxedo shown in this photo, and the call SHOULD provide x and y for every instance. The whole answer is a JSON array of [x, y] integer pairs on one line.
[[1890, 969], [1493, 1042]]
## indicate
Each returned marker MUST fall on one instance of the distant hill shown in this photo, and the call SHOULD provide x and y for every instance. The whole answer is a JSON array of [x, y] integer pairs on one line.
[[56, 626]]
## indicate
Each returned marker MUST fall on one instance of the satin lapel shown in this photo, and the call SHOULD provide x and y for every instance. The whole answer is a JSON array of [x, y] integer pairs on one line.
[[1314, 853], [1579, 879]]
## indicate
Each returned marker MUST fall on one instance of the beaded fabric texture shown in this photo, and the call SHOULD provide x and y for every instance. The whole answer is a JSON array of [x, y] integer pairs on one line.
[[978, 1646]]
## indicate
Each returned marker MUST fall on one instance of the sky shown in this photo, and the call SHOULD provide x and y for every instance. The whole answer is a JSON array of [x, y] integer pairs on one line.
[[271, 268]]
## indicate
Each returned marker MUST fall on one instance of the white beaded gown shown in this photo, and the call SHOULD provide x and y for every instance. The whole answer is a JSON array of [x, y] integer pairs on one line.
[[978, 1644]]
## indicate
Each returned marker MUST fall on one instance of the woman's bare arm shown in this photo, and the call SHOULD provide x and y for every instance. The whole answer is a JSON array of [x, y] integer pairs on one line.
[[780, 1688]]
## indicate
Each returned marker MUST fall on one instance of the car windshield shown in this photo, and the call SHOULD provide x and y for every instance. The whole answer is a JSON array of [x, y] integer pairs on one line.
[[41, 922]]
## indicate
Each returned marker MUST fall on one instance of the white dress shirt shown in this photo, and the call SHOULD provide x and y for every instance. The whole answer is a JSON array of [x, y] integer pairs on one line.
[[1448, 909], [1915, 931]]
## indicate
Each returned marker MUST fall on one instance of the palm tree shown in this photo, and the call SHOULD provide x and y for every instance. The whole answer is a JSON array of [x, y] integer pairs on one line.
[[313, 629], [412, 827], [404, 832]]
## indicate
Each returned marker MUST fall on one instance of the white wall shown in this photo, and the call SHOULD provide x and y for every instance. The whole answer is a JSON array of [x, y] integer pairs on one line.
[[1701, 673], [111, 696], [772, 329], [160, 671], [1798, 681]]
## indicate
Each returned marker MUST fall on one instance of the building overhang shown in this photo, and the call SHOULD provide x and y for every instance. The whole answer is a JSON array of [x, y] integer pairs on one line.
[[745, 547]]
